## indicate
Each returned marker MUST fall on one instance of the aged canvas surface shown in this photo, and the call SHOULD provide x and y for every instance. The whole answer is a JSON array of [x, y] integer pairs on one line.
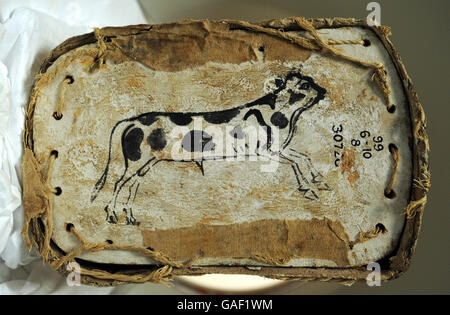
[[227, 147]]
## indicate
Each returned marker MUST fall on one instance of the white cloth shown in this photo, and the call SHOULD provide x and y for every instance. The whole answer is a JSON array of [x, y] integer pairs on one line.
[[29, 30]]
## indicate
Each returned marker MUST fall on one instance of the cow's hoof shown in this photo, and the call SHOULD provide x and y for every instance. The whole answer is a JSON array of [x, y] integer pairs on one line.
[[107, 213], [132, 221], [322, 186], [112, 219], [316, 178], [318, 183], [129, 218], [111, 216], [309, 194]]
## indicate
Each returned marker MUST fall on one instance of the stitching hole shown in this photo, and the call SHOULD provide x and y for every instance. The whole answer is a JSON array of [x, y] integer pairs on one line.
[[58, 191], [366, 43], [392, 109], [69, 227], [57, 116], [261, 48], [381, 227], [391, 194], [392, 147], [54, 153], [70, 78], [110, 242]]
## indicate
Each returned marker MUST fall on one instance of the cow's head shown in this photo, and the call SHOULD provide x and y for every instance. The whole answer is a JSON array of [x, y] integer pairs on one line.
[[294, 94], [296, 90]]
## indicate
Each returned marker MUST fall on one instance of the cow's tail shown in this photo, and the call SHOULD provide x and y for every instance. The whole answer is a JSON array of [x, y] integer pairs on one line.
[[113, 154]]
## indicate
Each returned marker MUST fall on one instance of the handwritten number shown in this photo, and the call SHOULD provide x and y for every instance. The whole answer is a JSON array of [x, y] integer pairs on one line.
[[378, 139], [378, 147], [339, 146], [338, 138], [355, 142], [337, 129]]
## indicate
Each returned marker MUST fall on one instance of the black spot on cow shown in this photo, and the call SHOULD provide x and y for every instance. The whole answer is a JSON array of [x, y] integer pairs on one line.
[[237, 132], [279, 120], [268, 99], [279, 83], [197, 141], [157, 139], [131, 143], [147, 119], [180, 119], [221, 117], [259, 117], [295, 97]]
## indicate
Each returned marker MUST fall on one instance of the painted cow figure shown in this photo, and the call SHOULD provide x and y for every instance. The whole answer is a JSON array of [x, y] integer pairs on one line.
[[145, 140]]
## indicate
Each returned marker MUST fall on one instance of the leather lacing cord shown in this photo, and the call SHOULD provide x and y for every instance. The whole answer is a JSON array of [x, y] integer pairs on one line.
[[389, 191], [363, 42], [53, 156], [162, 273], [109, 244], [58, 112]]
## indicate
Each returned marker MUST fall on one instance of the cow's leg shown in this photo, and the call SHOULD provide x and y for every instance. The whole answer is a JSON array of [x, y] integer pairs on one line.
[[133, 186], [111, 214], [128, 208], [127, 178], [110, 209], [304, 186], [312, 173], [309, 179]]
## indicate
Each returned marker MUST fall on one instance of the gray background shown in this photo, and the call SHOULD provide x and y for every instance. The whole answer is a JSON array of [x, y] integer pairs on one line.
[[421, 35]]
